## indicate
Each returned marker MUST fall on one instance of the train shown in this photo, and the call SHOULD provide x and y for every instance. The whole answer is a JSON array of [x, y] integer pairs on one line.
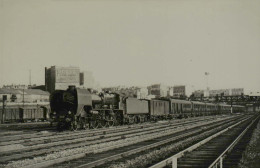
[[13, 114], [76, 108]]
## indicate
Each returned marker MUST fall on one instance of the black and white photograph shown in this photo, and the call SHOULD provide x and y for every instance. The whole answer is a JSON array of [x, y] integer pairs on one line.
[[129, 83]]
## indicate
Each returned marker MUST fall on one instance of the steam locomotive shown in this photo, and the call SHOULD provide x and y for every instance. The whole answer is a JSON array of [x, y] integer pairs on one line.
[[79, 108]]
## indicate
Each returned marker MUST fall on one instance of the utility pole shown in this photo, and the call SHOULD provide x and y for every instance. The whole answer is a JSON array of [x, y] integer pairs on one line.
[[3, 112], [207, 89], [231, 105], [207, 82], [23, 98], [30, 78]]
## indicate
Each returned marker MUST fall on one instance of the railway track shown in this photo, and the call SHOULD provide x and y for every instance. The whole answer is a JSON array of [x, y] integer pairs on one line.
[[43, 138], [59, 142], [211, 151], [233, 158], [33, 126], [129, 146], [133, 150], [12, 137]]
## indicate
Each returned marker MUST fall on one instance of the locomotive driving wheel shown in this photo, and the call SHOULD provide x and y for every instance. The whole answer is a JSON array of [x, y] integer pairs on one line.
[[102, 123], [110, 121], [93, 124], [85, 124], [73, 126], [131, 120]]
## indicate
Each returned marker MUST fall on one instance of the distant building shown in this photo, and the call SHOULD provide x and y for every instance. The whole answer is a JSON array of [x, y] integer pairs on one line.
[[137, 92], [159, 90], [87, 79], [111, 89], [253, 93], [219, 92], [170, 91], [142, 93], [179, 91], [224, 92], [59, 78], [237, 91], [25, 95], [15, 86], [41, 87], [198, 93]]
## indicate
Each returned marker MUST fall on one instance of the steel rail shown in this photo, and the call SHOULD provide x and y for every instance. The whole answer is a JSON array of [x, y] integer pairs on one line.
[[101, 130], [48, 136], [219, 160], [97, 138], [173, 159], [117, 156], [39, 152]]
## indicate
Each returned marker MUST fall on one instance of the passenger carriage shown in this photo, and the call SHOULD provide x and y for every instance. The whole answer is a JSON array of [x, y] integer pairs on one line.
[[159, 109], [181, 108], [211, 109], [224, 108], [199, 108]]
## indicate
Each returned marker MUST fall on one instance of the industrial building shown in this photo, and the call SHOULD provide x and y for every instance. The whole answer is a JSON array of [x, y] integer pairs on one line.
[[159, 90], [24, 95], [59, 78], [87, 79], [179, 91], [13, 86], [219, 92], [198, 93]]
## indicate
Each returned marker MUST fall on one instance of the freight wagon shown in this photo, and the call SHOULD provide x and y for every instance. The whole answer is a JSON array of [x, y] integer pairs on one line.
[[23, 114], [32, 114], [10, 115]]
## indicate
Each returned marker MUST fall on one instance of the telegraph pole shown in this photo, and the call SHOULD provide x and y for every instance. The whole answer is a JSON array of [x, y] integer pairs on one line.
[[207, 82], [30, 78], [23, 98], [207, 89], [231, 105], [3, 112]]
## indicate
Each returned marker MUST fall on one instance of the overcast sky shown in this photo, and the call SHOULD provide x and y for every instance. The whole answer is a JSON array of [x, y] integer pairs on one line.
[[130, 42]]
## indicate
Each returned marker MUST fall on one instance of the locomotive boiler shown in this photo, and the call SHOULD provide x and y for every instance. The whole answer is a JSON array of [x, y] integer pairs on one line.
[[79, 108]]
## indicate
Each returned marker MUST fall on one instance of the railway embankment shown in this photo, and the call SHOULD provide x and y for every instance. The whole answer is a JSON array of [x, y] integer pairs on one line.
[[251, 156]]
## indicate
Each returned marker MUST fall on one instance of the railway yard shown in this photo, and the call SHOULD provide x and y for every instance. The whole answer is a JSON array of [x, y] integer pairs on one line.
[[129, 84], [192, 142]]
